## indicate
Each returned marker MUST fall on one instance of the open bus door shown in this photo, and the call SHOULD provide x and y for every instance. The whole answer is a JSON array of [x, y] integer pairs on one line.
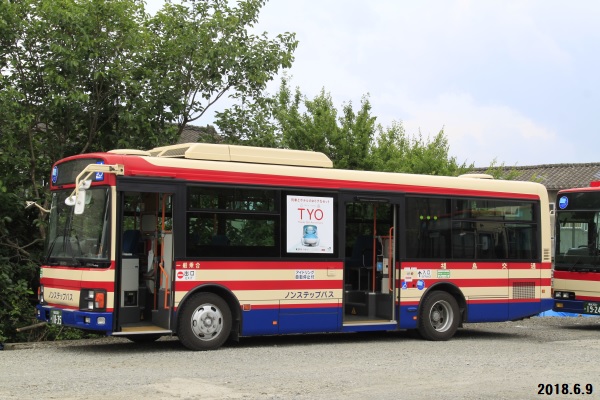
[[145, 261], [370, 242]]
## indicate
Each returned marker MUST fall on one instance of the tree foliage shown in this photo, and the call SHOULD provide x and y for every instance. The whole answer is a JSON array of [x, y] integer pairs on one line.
[[201, 50], [351, 139], [395, 151]]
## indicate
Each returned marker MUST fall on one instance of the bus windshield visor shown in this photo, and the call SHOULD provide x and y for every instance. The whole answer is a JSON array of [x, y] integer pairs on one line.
[[79, 239], [577, 241]]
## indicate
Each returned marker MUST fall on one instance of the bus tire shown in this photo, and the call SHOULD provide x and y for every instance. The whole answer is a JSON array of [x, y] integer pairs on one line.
[[438, 319], [204, 322]]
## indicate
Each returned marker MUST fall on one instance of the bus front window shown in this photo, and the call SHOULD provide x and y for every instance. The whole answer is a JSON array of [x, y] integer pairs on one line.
[[578, 247], [79, 239]]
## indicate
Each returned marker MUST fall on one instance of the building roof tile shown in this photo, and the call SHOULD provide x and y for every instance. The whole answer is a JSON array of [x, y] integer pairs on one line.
[[557, 176]]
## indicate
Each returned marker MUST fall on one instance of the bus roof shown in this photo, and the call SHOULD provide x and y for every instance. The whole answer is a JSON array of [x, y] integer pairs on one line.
[[227, 152], [270, 166]]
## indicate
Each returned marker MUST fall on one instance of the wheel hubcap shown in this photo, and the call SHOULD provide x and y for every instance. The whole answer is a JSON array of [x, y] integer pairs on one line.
[[441, 316], [207, 322]]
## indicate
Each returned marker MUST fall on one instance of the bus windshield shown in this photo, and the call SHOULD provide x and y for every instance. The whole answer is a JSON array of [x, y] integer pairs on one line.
[[577, 246], [79, 240]]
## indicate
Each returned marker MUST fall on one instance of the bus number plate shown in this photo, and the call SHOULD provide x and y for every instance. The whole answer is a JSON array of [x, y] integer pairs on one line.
[[56, 317], [591, 308]]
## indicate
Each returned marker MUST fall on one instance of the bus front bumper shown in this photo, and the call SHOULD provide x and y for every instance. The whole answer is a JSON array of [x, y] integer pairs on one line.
[[94, 321]]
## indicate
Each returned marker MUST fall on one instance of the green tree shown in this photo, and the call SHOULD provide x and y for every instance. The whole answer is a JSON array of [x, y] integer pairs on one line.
[[395, 151], [67, 80], [352, 146], [289, 119], [202, 50], [18, 264], [351, 140], [249, 123]]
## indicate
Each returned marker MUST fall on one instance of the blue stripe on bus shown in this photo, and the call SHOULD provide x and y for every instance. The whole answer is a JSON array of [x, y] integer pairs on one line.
[[499, 312], [273, 321]]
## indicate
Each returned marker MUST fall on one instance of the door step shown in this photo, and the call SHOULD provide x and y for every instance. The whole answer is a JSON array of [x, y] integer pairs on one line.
[[133, 329]]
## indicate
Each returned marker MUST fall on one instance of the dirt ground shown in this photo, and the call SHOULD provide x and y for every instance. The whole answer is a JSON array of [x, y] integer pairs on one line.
[[528, 359]]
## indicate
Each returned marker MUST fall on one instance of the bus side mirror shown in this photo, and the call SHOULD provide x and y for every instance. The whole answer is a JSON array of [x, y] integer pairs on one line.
[[80, 200]]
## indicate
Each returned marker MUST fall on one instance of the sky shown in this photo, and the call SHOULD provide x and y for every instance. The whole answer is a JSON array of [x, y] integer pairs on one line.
[[513, 82]]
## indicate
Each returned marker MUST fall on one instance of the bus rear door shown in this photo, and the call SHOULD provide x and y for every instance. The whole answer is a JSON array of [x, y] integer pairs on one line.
[[370, 246]]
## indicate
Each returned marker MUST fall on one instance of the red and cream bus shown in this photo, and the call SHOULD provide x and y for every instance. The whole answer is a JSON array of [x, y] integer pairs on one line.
[[209, 242], [576, 283]]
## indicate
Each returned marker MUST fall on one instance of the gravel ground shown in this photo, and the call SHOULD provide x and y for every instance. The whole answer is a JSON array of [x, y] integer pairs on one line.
[[506, 360]]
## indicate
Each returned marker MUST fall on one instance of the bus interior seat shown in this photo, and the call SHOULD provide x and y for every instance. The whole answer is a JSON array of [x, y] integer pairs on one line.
[[132, 243], [361, 259]]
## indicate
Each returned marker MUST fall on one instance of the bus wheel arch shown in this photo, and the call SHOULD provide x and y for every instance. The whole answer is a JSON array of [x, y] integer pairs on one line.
[[208, 317], [441, 312]]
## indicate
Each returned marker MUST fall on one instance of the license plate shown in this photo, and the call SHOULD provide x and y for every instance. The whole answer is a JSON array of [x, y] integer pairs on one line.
[[56, 317], [591, 308]]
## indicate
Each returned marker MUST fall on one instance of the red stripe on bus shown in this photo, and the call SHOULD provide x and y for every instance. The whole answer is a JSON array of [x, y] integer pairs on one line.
[[466, 282], [492, 301], [71, 308], [436, 265], [311, 305], [577, 276], [258, 265], [276, 306], [76, 284], [298, 285], [78, 269], [63, 306], [588, 298], [291, 265], [292, 285], [137, 166], [546, 282]]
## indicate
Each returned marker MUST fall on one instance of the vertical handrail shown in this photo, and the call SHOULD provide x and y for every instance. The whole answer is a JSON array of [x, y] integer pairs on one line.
[[155, 271], [374, 260], [162, 253], [391, 262], [163, 274]]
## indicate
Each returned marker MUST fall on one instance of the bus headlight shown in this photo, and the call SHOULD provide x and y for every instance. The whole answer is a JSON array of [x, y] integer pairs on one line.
[[564, 295]]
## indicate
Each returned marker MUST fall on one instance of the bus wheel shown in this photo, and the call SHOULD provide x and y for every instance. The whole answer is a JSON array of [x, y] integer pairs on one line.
[[204, 323], [439, 315]]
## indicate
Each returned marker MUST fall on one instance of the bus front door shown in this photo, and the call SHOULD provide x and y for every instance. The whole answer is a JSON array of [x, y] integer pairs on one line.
[[145, 263]]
